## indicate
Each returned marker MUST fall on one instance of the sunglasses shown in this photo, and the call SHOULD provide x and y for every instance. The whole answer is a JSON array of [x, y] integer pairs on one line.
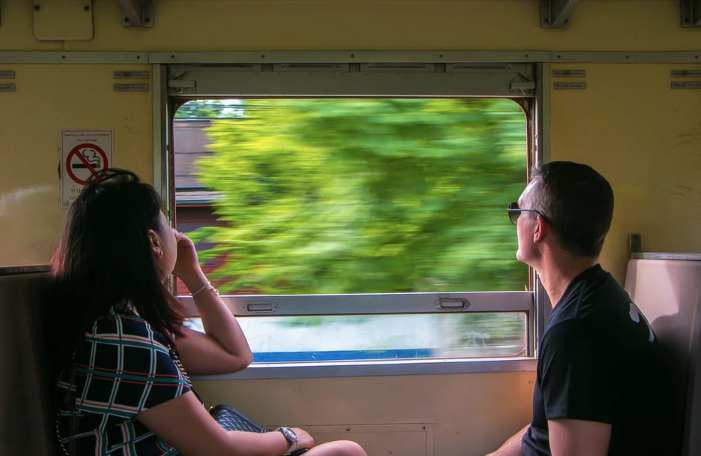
[[514, 212]]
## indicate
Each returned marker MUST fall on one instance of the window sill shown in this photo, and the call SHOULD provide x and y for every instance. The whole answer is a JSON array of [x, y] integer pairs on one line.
[[377, 368]]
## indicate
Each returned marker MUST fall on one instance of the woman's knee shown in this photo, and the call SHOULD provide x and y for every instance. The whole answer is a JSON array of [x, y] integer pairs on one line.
[[350, 448], [339, 448]]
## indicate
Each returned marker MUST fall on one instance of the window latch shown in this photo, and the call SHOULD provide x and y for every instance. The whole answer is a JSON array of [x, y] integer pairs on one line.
[[452, 303]]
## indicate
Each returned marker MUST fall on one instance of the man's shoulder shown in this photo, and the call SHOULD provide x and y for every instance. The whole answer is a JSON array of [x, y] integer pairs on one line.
[[593, 294], [598, 312]]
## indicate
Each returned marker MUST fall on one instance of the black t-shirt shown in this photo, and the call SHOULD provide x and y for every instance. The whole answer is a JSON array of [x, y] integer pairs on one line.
[[599, 360]]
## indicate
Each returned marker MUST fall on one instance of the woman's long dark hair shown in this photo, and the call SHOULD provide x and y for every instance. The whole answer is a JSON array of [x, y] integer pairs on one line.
[[105, 259]]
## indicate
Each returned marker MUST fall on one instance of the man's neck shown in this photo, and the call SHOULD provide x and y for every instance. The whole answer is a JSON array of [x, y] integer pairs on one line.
[[557, 274]]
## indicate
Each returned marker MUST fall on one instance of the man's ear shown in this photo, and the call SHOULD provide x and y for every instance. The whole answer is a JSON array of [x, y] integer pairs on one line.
[[541, 229]]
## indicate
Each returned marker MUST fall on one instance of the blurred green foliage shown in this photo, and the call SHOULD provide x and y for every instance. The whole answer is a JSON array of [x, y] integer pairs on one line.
[[365, 195]]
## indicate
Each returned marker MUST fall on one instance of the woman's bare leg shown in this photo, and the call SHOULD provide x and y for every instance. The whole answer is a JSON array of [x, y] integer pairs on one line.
[[337, 448]]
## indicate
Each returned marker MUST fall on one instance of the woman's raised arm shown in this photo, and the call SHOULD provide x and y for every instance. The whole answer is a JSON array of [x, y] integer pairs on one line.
[[223, 347]]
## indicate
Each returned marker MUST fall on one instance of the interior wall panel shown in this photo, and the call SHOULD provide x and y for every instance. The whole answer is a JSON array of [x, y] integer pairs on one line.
[[215, 25], [473, 413], [47, 100], [645, 138]]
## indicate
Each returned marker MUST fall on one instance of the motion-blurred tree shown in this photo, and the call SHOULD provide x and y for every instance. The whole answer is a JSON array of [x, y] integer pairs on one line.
[[200, 109], [366, 195]]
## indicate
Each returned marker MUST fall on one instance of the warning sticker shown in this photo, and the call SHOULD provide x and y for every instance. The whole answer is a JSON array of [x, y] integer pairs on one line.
[[83, 154]]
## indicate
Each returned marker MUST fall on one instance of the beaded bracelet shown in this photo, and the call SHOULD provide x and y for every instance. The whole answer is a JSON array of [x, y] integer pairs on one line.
[[206, 286]]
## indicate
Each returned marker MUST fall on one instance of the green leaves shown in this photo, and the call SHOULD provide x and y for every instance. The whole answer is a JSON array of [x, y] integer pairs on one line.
[[366, 195]]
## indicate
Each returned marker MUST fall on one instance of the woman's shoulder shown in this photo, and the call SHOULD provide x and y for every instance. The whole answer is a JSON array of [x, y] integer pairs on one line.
[[122, 325], [121, 318]]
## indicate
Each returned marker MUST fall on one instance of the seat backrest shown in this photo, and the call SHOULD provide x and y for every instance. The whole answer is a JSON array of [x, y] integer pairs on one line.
[[25, 421], [667, 289], [693, 416]]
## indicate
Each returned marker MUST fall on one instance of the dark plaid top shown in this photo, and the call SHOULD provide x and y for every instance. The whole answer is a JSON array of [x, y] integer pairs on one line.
[[121, 368]]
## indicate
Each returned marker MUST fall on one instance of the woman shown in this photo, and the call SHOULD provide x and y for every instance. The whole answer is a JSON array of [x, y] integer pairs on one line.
[[120, 390]]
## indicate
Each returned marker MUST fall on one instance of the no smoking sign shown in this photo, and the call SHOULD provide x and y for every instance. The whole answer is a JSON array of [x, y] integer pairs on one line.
[[83, 153]]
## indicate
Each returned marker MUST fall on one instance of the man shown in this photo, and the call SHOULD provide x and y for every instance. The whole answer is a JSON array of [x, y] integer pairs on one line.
[[601, 385]]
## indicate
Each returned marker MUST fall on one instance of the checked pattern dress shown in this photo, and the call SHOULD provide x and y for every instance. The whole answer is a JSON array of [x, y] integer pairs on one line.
[[121, 368]]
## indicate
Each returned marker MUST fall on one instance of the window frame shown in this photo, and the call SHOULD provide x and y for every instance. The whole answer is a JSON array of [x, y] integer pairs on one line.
[[379, 304], [332, 75]]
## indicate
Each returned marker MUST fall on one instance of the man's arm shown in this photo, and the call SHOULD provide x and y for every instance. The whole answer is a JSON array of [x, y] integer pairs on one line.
[[578, 437], [511, 447]]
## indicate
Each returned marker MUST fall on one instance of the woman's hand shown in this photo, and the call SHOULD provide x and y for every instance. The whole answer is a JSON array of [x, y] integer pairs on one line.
[[187, 265], [304, 440]]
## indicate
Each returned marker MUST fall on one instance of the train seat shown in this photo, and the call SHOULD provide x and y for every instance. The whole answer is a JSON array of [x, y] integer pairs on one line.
[[26, 427], [667, 289]]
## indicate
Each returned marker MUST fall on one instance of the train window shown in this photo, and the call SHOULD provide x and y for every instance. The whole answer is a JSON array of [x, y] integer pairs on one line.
[[350, 229]]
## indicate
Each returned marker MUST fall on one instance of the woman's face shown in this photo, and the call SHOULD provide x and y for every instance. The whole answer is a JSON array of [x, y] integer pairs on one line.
[[168, 245]]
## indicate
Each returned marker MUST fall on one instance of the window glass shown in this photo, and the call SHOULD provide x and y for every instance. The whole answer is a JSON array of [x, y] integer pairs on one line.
[[373, 337]]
